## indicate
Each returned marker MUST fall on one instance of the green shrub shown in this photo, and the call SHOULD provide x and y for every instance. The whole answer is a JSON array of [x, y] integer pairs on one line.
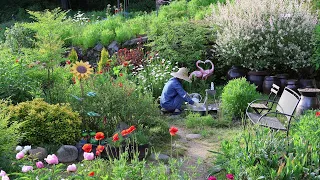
[[123, 33], [9, 138], [114, 101], [15, 84], [73, 56], [18, 37], [180, 41], [235, 97], [316, 53], [264, 34], [107, 36], [44, 123], [89, 36]]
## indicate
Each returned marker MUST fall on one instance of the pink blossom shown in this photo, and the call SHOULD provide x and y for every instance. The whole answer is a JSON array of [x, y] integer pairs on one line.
[[88, 156], [52, 159], [230, 176], [72, 168], [3, 173], [5, 177], [27, 168], [39, 164], [212, 178], [20, 155]]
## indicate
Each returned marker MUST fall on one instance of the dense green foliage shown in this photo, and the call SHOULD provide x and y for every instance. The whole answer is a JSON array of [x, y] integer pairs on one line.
[[114, 101], [180, 41], [10, 136], [235, 97], [44, 123], [260, 153]]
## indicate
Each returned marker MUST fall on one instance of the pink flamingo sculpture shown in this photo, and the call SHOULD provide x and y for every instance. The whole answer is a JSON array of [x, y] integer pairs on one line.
[[208, 72], [203, 74], [199, 73]]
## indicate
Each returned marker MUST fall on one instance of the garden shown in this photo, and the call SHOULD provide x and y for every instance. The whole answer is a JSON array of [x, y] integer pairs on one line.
[[79, 91]]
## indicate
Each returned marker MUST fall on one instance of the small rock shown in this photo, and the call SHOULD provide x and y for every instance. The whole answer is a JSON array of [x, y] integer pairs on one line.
[[80, 151], [39, 153], [135, 41], [193, 136], [160, 157], [113, 47], [121, 126], [67, 153], [98, 47]]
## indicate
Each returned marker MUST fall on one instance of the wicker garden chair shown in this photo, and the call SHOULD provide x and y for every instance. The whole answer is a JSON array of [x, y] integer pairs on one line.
[[285, 107], [264, 104]]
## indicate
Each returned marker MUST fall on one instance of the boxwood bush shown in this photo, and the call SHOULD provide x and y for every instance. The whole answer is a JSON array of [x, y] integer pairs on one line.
[[44, 123], [235, 97]]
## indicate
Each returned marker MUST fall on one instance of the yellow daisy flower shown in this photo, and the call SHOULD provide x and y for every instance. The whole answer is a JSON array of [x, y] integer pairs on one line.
[[81, 69]]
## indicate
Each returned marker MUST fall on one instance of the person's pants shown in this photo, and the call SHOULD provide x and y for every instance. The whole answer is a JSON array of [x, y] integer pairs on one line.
[[176, 103]]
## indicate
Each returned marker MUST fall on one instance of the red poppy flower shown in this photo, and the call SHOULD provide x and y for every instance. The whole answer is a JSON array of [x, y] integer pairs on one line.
[[318, 114], [101, 72], [125, 132], [87, 148], [91, 173], [173, 130], [115, 137], [17, 60], [99, 136], [100, 148], [98, 153], [120, 84], [120, 74], [125, 64], [132, 128], [68, 61]]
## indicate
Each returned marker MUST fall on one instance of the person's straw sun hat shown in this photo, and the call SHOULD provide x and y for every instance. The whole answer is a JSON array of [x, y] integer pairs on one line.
[[182, 74]]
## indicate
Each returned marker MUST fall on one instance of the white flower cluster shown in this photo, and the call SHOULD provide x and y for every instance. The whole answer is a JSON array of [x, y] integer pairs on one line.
[[24, 149], [155, 75], [259, 34], [80, 17]]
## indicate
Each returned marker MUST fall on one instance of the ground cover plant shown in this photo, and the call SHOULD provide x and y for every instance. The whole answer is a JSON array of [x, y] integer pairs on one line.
[[262, 153]]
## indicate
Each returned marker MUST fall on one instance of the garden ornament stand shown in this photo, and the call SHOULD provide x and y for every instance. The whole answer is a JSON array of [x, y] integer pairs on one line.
[[201, 73], [205, 107]]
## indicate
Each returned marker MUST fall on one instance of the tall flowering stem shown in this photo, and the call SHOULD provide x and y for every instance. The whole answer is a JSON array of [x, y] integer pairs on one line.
[[173, 130]]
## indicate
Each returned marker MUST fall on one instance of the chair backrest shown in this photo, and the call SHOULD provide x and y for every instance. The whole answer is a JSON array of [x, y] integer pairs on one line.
[[273, 93], [288, 102]]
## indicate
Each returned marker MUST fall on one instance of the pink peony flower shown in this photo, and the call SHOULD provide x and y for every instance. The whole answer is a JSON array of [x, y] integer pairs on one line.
[[88, 156], [39, 164], [3, 173], [230, 176], [212, 178], [20, 155], [27, 168], [5, 177], [52, 159], [72, 168]]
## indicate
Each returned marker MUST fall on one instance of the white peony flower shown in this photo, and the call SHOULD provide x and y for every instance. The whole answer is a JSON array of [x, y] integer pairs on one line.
[[27, 148], [19, 148]]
